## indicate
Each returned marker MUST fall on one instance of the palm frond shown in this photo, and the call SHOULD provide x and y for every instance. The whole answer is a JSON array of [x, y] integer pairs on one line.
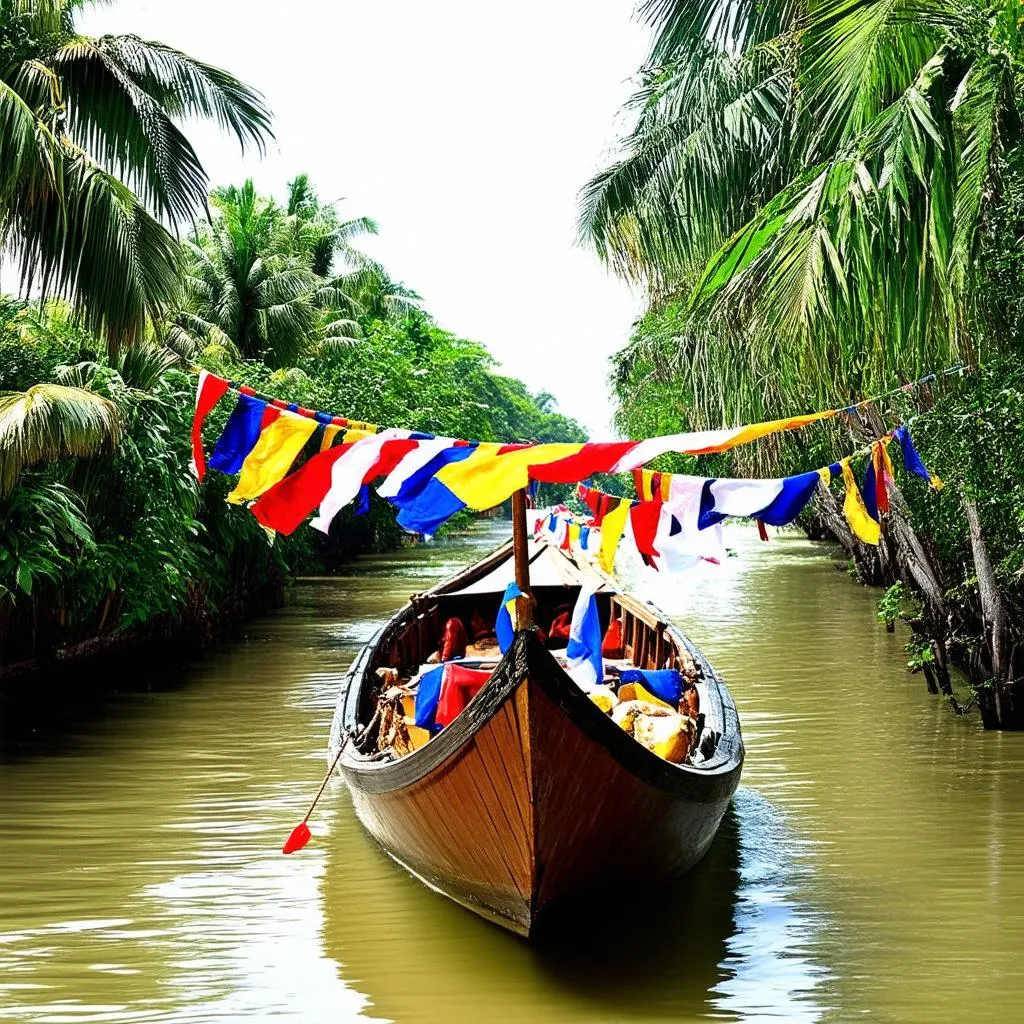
[[29, 154], [142, 366], [728, 24], [97, 246], [50, 421], [186, 88], [859, 57], [128, 133], [977, 107]]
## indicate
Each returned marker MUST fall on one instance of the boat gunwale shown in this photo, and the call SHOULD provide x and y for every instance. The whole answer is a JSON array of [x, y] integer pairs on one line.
[[703, 782]]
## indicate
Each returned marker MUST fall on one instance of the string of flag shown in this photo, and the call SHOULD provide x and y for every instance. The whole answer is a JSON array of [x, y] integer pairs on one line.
[[676, 520], [293, 462]]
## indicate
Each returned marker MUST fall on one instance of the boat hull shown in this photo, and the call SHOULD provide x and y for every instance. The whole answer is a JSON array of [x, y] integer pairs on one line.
[[533, 798]]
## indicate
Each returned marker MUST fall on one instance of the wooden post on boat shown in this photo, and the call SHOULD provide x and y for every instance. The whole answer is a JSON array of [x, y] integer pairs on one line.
[[521, 559]]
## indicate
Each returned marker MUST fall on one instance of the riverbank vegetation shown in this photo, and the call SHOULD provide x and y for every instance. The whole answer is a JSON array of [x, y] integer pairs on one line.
[[105, 536], [823, 200]]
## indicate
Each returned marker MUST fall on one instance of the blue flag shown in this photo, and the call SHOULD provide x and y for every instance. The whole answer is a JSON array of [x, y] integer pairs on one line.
[[503, 627], [584, 647], [427, 697]]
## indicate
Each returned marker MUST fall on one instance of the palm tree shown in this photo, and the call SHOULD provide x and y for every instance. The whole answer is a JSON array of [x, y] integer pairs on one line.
[[245, 285], [808, 179], [329, 241], [319, 230], [93, 164], [265, 280]]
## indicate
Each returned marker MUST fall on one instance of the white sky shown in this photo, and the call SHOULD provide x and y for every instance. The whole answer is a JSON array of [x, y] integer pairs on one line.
[[465, 128]]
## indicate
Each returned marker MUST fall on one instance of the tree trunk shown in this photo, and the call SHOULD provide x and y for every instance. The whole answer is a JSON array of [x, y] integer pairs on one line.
[[1005, 709]]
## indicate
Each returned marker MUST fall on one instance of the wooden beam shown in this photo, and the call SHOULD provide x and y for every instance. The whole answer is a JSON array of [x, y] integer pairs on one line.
[[521, 559]]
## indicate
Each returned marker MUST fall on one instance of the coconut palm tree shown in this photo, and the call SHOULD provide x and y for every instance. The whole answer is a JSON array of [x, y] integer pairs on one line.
[[265, 279], [245, 285], [810, 177], [320, 231], [330, 241], [93, 166]]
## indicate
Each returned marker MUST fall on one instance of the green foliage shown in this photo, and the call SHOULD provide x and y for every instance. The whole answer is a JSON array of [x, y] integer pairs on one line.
[[920, 651], [277, 283], [93, 163], [126, 539], [974, 440], [898, 603], [819, 197]]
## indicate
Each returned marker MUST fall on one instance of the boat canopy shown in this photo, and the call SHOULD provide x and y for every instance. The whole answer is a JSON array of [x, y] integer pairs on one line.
[[549, 567]]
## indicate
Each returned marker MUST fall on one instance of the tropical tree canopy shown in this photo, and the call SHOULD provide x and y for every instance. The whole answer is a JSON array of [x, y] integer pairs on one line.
[[273, 281], [94, 167], [807, 189]]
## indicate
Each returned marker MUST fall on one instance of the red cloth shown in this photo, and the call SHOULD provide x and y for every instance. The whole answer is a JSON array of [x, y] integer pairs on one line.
[[881, 488], [643, 517], [560, 627], [290, 500], [458, 687], [211, 390], [453, 639], [611, 645], [762, 530], [391, 453], [597, 457]]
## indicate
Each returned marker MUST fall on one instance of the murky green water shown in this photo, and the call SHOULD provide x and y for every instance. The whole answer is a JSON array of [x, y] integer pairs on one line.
[[873, 866]]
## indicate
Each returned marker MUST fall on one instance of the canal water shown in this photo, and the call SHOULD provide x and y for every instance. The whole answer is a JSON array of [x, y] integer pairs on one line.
[[872, 866]]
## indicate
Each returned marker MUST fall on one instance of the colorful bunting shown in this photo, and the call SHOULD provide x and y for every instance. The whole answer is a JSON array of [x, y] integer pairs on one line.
[[912, 460], [612, 527], [357, 466], [285, 505], [863, 526], [241, 433], [675, 522]]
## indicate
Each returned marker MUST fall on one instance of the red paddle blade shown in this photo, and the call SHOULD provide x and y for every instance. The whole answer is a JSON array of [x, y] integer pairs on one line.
[[298, 839]]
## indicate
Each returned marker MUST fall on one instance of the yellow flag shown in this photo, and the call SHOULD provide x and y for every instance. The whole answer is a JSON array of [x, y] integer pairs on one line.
[[273, 456], [330, 433], [486, 479], [863, 526], [612, 526]]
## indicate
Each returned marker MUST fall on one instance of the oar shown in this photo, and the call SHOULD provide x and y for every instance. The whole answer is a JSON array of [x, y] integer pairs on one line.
[[301, 834]]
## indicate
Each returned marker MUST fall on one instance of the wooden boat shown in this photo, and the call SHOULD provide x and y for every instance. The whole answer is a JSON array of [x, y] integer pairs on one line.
[[533, 798]]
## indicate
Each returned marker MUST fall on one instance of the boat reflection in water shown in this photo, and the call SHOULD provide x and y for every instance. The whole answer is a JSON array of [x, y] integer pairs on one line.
[[728, 941]]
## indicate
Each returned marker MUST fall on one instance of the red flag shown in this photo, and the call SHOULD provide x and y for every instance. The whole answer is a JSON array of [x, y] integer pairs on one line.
[[643, 517], [290, 500], [596, 457], [881, 484], [210, 391]]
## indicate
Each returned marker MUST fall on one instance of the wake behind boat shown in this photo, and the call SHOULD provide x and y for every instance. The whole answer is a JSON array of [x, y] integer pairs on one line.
[[539, 791]]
